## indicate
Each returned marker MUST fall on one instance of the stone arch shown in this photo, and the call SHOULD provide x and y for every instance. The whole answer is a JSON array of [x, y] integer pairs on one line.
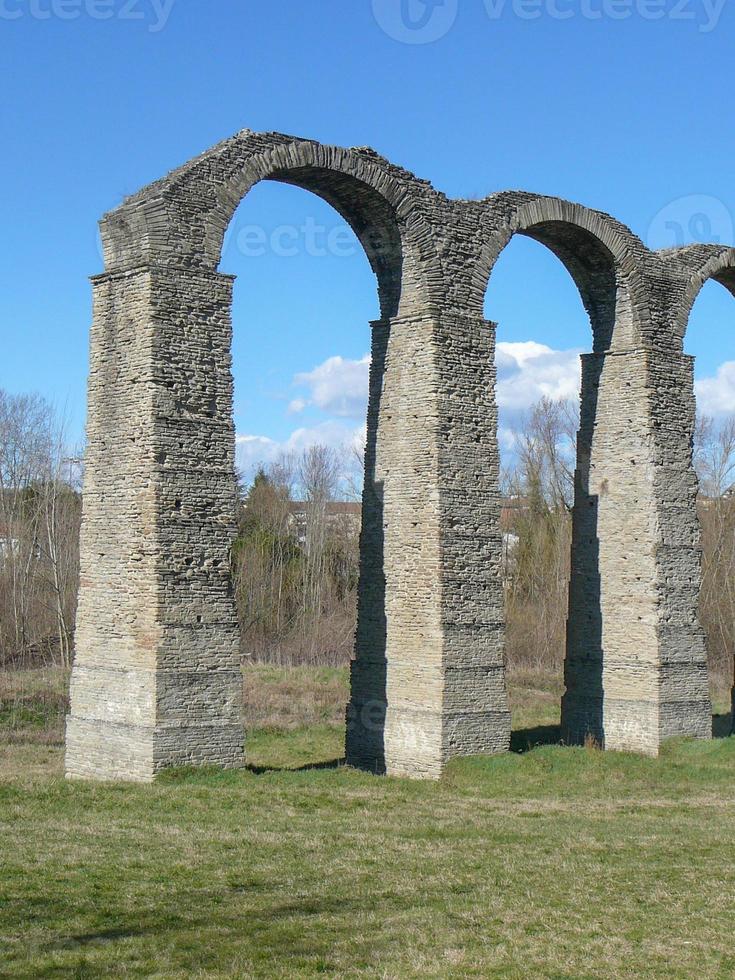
[[183, 218], [157, 679], [601, 255], [614, 658], [697, 265], [682, 273]]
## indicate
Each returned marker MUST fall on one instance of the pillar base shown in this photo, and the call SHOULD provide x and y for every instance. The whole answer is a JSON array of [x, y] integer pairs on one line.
[[633, 725], [104, 750], [418, 744]]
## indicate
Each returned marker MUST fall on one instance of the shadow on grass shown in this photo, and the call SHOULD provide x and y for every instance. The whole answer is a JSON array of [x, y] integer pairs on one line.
[[328, 764], [103, 936], [521, 740], [525, 739]]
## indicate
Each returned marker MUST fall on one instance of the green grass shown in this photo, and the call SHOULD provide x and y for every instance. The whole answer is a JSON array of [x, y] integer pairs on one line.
[[553, 862]]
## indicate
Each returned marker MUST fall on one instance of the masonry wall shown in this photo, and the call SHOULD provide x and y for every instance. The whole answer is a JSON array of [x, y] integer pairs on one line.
[[475, 705], [613, 649], [113, 707], [157, 679], [634, 674], [395, 713], [684, 700]]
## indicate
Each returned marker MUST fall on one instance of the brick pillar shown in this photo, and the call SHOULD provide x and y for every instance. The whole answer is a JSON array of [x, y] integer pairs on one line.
[[428, 679], [156, 680], [621, 686]]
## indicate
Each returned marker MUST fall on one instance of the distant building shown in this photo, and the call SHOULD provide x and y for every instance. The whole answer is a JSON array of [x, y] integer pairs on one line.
[[341, 515]]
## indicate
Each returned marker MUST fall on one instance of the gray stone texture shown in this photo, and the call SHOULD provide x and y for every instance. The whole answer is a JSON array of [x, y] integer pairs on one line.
[[156, 680]]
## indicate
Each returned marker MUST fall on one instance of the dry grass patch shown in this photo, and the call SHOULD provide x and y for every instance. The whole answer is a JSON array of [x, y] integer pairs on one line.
[[33, 706], [285, 698]]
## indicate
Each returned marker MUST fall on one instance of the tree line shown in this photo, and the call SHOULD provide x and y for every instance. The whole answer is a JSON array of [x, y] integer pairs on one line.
[[296, 562], [296, 557]]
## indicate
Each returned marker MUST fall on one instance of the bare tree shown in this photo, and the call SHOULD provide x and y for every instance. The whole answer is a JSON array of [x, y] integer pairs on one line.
[[25, 455], [319, 473], [546, 450], [714, 457], [60, 505], [39, 514], [263, 553], [540, 486], [295, 562]]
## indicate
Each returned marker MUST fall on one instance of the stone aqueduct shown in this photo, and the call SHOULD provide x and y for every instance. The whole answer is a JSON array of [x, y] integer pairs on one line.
[[157, 679]]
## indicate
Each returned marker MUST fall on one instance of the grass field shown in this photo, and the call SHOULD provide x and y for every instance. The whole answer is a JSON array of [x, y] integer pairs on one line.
[[550, 862]]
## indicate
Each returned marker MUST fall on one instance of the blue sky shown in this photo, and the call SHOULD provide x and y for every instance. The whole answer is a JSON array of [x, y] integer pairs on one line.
[[594, 100]]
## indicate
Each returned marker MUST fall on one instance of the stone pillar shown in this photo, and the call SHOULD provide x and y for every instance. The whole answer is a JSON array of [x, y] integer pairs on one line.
[[476, 710], [428, 679], [620, 687], [156, 680], [684, 707]]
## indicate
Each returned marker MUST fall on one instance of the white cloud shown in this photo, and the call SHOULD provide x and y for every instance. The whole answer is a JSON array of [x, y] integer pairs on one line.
[[716, 396], [254, 451], [507, 438], [528, 371], [338, 386]]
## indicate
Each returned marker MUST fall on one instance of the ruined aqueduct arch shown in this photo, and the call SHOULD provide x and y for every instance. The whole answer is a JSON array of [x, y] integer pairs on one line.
[[157, 681]]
